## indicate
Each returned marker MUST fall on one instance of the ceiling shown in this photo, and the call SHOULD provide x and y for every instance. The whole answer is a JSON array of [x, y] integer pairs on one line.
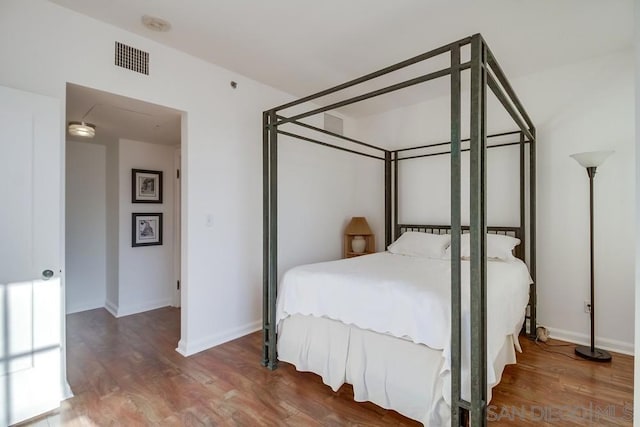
[[117, 117], [303, 46]]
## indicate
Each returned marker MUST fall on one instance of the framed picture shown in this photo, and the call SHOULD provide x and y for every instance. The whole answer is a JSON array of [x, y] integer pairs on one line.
[[146, 229], [146, 186]]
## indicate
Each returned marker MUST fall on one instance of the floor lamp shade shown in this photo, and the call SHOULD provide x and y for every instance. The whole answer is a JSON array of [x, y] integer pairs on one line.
[[591, 160]]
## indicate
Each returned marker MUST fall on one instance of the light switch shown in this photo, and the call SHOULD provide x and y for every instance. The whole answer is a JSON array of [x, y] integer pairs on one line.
[[209, 220]]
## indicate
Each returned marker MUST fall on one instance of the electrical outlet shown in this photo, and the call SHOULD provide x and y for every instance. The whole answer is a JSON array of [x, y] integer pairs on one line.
[[587, 307]]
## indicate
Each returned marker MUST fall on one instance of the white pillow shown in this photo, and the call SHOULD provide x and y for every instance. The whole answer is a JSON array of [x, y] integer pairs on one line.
[[414, 243], [498, 246]]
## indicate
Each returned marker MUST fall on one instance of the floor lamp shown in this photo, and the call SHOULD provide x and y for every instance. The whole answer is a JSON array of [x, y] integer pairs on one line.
[[591, 161]]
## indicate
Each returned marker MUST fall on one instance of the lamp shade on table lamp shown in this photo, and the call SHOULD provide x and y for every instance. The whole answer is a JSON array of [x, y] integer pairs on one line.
[[358, 227]]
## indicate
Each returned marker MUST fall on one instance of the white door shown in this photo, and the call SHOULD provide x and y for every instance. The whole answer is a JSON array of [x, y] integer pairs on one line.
[[30, 262]]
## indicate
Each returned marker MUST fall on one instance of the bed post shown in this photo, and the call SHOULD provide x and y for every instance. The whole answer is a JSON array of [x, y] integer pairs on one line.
[[523, 217], [458, 411], [532, 232], [527, 235], [265, 238], [478, 229], [273, 238], [270, 238], [396, 229], [507, 96], [387, 198], [523, 221]]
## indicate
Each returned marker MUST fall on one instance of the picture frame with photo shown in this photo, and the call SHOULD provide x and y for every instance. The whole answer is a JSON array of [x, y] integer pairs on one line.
[[146, 186], [146, 229]]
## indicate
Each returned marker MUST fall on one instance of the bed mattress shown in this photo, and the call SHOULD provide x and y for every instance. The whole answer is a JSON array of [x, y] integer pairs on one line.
[[407, 299]]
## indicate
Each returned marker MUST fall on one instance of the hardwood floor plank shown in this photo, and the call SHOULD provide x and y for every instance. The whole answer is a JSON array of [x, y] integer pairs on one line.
[[552, 386], [126, 372]]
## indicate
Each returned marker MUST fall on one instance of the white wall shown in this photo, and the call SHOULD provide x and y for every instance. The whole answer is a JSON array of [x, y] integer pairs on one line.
[[581, 107], [146, 278], [594, 109], [424, 184], [221, 162], [221, 156], [85, 226], [317, 197]]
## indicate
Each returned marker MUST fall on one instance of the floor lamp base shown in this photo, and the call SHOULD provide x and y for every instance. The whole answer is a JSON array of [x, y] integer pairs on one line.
[[595, 355]]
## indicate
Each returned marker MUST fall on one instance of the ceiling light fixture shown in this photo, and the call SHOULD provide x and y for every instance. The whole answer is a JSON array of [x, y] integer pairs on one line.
[[156, 24], [86, 130], [82, 128]]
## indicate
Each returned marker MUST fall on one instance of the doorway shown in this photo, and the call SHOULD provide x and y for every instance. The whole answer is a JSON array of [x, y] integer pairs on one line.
[[126, 174]]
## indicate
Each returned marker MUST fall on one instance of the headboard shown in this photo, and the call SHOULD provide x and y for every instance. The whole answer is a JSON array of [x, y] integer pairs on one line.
[[446, 229]]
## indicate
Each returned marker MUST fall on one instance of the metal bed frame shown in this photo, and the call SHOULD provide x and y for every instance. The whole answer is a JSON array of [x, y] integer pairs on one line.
[[485, 72]]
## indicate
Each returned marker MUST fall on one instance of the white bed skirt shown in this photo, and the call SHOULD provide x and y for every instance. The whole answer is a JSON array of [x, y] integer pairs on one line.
[[391, 372]]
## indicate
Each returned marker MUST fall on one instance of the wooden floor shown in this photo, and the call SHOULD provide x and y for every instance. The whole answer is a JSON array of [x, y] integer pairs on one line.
[[126, 372]]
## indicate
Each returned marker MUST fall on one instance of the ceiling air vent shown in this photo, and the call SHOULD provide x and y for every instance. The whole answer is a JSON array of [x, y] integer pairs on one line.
[[333, 124], [132, 59]]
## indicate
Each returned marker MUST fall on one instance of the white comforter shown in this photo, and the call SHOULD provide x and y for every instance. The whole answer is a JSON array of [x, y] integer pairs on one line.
[[407, 297]]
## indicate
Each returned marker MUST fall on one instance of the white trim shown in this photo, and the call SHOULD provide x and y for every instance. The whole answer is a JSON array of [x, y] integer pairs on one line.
[[184, 232], [85, 307], [584, 339], [182, 348], [191, 348], [111, 308], [66, 388], [139, 308], [177, 231], [67, 393]]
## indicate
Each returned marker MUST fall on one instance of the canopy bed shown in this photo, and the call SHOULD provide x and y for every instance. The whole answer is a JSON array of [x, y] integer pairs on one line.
[[459, 344]]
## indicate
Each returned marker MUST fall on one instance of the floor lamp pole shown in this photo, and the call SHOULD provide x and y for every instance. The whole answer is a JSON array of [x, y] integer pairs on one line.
[[592, 353]]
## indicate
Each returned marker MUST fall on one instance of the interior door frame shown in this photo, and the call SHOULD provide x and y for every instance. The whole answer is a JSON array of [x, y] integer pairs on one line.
[[182, 210], [68, 393], [177, 228]]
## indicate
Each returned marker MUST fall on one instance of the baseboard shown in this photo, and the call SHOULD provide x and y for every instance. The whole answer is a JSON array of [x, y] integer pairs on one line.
[[117, 311], [84, 307], [111, 308], [139, 308], [196, 346], [182, 348], [584, 339], [67, 393]]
